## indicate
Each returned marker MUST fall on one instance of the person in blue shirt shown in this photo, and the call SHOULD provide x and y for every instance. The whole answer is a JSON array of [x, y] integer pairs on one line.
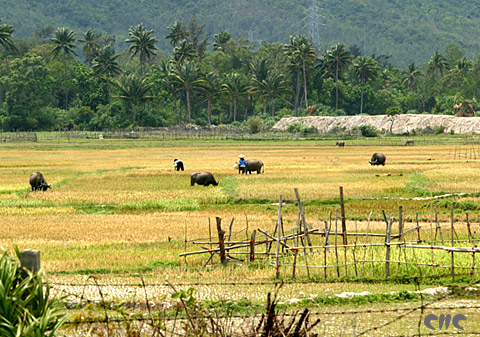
[[242, 164]]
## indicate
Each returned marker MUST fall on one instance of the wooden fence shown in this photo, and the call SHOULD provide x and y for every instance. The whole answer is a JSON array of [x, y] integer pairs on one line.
[[419, 250]]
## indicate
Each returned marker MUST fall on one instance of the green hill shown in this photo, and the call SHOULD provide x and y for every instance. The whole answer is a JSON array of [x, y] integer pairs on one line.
[[409, 30]]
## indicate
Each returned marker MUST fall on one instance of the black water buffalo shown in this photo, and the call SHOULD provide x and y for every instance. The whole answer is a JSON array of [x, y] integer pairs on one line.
[[37, 181], [378, 159], [409, 142], [252, 165], [340, 144], [202, 178]]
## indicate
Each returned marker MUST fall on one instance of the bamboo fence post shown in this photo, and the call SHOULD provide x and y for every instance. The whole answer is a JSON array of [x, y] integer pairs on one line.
[[295, 244], [354, 249], [267, 249], [366, 241], [387, 242], [473, 258], [468, 227], [252, 246], [452, 238], [185, 244], [344, 221], [305, 226], [418, 229], [336, 249], [400, 223], [279, 220], [438, 228], [325, 251], [221, 240], [405, 255], [246, 229]]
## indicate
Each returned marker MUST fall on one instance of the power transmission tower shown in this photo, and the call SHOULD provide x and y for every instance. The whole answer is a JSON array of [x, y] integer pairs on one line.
[[313, 23]]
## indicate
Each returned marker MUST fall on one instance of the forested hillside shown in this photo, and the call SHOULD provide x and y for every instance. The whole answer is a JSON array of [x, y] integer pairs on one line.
[[408, 30]]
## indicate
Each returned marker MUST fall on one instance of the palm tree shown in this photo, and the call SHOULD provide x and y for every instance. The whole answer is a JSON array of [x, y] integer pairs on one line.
[[235, 86], [210, 89], [187, 76], [221, 39], [336, 61], [134, 90], [178, 32], [412, 75], [165, 68], [463, 66], [260, 71], [272, 87], [91, 47], [142, 44], [105, 64], [6, 32], [301, 53], [63, 41], [438, 64], [184, 51], [365, 68]]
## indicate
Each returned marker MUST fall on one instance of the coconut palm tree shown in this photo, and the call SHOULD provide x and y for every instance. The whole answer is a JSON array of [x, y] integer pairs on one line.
[[106, 64], [336, 61], [274, 86], [412, 75], [365, 69], [178, 32], [302, 54], [187, 76], [134, 90], [6, 32], [91, 46], [142, 43], [64, 42], [235, 86], [260, 69], [221, 39], [184, 51], [463, 66], [210, 89], [438, 64]]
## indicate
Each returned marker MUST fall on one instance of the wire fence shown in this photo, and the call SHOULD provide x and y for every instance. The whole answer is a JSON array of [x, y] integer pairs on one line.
[[466, 146]]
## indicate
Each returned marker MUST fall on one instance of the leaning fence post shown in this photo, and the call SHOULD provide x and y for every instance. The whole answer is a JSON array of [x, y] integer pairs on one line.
[[452, 235], [279, 223], [336, 249], [304, 221], [252, 246], [387, 243], [400, 223], [468, 227], [473, 257], [221, 240]]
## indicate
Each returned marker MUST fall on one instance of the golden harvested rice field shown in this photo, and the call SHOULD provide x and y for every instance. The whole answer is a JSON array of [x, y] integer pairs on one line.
[[119, 204]]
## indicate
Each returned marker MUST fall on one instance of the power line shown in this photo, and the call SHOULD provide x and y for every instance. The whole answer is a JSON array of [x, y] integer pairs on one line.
[[314, 23]]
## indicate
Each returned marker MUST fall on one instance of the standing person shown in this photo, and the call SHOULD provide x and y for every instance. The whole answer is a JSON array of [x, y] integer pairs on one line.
[[242, 164], [178, 165]]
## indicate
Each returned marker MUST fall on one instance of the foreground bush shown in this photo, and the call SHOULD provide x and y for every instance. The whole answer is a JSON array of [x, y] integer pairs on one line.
[[25, 307]]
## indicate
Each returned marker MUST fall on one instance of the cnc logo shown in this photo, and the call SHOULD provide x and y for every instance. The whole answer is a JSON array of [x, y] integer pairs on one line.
[[443, 321]]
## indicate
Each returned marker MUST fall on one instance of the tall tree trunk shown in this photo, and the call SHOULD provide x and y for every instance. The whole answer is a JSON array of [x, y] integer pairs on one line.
[[297, 93], [108, 89], [264, 106], [66, 80], [187, 91], [273, 105], [361, 100], [305, 85], [134, 113], [209, 102], [336, 87], [234, 108]]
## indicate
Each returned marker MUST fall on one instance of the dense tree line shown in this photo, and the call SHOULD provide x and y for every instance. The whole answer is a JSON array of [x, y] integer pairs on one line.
[[61, 79]]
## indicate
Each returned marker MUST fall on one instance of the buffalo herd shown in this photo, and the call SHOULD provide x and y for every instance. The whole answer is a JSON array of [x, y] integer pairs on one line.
[[38, 183]]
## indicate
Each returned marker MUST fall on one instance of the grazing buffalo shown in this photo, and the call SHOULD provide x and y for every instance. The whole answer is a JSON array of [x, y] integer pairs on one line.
[[202, 178], [340, 144], [378, 159], [409, 142], [252, 165], [37, 181]]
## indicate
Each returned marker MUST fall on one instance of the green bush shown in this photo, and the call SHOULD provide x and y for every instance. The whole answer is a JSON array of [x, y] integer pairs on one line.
[[26, 308], [254, 125], [302, 129], [368, 130]]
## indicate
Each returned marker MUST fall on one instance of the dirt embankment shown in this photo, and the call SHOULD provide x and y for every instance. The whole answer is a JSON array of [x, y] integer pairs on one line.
[[400, 124]]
